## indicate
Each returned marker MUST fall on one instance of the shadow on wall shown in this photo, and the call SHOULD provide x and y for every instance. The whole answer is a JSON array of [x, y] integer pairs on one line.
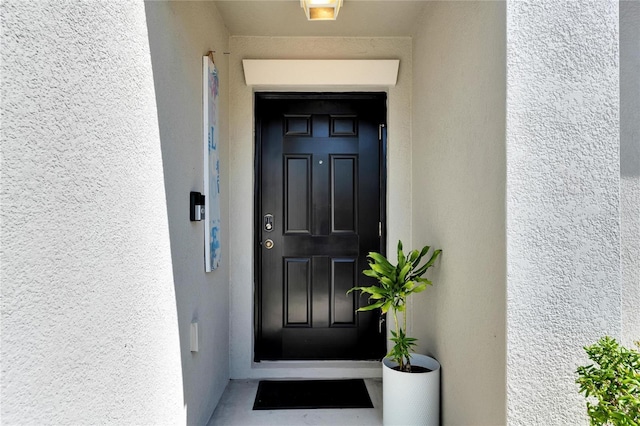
[[630, 165], [629, 89], [158, 43], [180, 33]]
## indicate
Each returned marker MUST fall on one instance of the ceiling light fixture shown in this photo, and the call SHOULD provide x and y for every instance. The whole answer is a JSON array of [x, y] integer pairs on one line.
[[321, 10]]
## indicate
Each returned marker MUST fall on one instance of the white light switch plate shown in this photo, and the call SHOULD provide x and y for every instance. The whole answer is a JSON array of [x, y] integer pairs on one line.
[[194, 337]]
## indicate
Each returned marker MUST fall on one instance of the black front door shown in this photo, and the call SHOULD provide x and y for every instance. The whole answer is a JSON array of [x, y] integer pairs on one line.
[[319, 213]]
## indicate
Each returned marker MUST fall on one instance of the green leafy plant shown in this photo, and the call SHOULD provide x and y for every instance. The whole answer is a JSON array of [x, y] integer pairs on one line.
[[612, 384], [397, 282]]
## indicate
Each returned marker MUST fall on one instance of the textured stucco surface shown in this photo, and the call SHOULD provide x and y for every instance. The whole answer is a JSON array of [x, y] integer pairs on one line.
[[180, 33], [630, 167], [459, 169], [89, 324], [563, 214], [242, 163]]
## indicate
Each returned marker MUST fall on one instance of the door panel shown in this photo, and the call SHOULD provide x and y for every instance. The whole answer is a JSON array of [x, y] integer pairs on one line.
[[297, 194], [319, 167], [343, 275], [344, 201]]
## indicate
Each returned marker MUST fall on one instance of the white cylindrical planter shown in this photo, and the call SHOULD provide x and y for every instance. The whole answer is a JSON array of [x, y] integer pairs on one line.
[[411, 398]]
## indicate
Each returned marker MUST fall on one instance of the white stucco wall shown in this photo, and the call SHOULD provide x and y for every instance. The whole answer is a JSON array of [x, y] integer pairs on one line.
[[630, 167], [242, 178], [563, 214], [180, 33], [459, 169], [89, 324]]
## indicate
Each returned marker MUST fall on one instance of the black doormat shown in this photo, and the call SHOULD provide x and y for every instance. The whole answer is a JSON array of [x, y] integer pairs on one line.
[[306, 394]]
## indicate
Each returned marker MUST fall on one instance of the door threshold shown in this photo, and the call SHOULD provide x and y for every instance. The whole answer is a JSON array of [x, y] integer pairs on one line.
[[317, 369], [317, 364]]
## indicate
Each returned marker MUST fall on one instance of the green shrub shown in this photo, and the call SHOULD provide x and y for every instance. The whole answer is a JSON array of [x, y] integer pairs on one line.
[[612, 384]]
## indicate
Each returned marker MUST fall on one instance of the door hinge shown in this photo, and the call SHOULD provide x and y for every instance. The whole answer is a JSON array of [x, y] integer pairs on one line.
[[380, 229], [380, 127]]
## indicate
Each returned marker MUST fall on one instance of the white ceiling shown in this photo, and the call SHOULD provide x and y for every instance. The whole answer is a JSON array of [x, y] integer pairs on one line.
[[357, 18]]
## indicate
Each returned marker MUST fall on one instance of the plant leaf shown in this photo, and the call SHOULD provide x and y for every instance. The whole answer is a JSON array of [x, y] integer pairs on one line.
[[403, 273], [423, 269], [381, 261], [370, 307]]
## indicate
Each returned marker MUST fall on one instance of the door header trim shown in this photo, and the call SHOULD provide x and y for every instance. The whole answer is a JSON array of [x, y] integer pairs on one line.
[[321, 72]]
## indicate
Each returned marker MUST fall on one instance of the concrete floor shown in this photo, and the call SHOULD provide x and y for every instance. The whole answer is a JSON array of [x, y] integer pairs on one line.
[[235, 409]]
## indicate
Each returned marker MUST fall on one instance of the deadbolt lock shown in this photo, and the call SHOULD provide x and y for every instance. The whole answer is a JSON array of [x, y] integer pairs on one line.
[[268, 244], [268, 222]]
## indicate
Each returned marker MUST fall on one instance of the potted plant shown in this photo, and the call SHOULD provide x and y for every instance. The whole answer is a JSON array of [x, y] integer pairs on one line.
[[410, 382]]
